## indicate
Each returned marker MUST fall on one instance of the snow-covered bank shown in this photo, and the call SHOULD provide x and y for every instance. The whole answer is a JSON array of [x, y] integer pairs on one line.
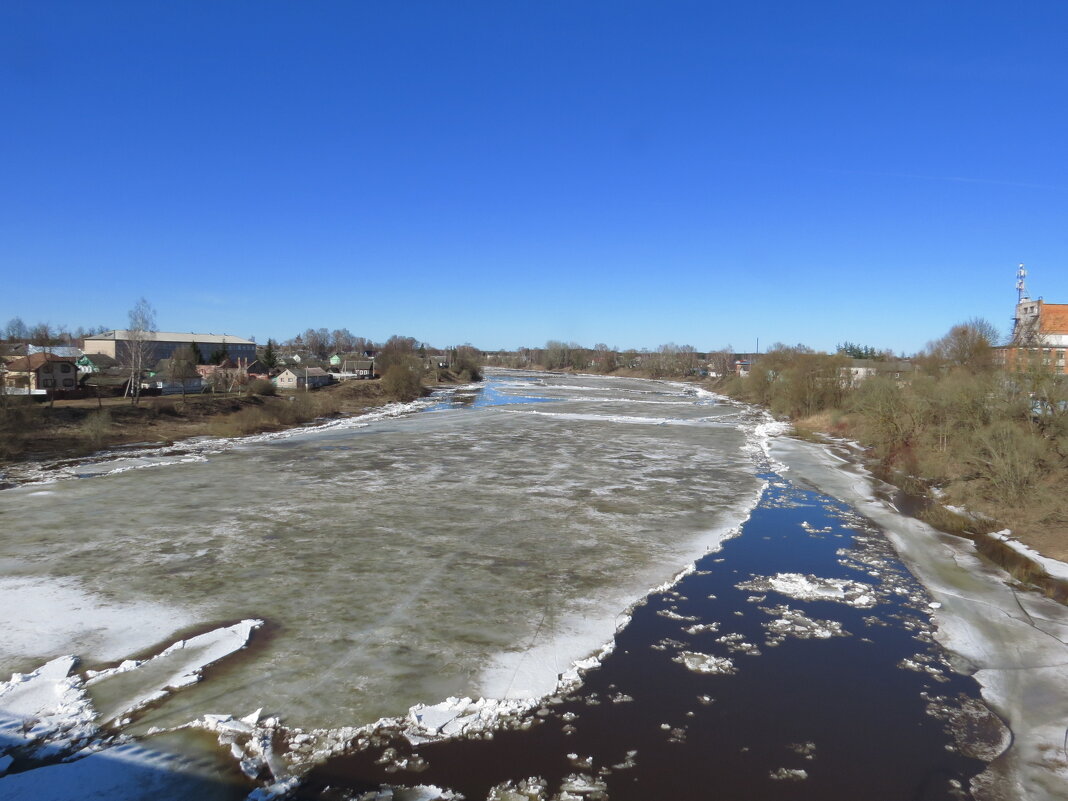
[[1014, 641]]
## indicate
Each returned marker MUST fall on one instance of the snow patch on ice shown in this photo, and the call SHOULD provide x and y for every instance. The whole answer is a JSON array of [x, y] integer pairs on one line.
[[45, 617]]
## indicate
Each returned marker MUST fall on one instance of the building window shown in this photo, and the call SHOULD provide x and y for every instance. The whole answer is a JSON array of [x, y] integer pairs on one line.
[[46, 368], [49, 382], [64, 368]]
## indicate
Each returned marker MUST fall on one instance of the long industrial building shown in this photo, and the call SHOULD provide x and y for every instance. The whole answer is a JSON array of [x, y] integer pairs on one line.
[[164, 343]]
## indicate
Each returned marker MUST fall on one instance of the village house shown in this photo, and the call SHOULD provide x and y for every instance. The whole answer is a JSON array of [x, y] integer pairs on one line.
[[42, 372], [303, 378], [352, 365], [168, 379]]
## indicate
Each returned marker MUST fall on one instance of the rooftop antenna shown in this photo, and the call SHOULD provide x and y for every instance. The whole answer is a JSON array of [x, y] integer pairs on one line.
[[1021, 288]]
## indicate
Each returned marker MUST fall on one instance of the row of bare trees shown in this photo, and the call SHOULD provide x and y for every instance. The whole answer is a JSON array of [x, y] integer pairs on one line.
[[45, 334], [322, 342], [994, 438], [666, 361]]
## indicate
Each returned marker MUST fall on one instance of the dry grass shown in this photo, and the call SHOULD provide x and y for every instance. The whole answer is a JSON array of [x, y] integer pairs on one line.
[[274, 414], [97, 428]]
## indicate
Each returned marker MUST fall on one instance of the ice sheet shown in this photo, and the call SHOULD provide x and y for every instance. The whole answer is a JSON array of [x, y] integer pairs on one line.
[[120, 691], [42, 617], [45, 712]]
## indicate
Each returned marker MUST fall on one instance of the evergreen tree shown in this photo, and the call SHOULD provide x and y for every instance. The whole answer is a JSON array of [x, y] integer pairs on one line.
[[269, 358]]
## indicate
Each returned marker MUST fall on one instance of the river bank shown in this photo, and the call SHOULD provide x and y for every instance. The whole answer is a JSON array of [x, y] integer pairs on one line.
[[35, 437], [1035, 555]]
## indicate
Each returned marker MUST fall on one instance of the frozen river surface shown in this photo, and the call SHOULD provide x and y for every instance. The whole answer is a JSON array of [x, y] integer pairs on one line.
[[474, 549]]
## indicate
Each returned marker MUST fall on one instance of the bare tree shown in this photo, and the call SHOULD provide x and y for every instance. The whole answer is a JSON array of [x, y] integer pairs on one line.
[[140, 345], [721, 362], [16, 330], [968, 345], [342, 340]]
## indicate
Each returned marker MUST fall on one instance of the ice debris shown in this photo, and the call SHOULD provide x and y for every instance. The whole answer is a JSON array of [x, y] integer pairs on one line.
[[530, 789], [788, 775], [794, 623], [456, 717], [178, 666], [46, 712], [706, 663], [814, 588]]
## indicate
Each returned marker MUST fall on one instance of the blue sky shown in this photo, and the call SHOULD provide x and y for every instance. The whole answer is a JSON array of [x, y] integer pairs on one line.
[[503, 173]]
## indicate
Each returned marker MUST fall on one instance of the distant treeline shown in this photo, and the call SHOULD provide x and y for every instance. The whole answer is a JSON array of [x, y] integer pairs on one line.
[[667, 361]]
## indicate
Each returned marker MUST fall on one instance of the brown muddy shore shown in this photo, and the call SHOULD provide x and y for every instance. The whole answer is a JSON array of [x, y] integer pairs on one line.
[[43, 433]]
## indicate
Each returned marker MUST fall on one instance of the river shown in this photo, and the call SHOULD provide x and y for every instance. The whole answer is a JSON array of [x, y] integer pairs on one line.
[[477, 545]]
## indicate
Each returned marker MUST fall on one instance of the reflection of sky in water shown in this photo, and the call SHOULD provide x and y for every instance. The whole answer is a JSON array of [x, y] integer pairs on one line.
[[493, 393]]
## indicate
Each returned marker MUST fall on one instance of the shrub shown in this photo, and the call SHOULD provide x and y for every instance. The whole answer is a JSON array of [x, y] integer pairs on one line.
[[260, 386], [96, 427], [1009, 460], [402, 382]]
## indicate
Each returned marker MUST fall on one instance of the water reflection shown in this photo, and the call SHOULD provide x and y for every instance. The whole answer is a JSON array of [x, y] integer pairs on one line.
[[494, 391]]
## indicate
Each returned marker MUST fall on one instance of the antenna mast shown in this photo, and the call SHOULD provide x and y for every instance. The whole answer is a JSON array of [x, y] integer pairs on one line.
[[1021, 288]]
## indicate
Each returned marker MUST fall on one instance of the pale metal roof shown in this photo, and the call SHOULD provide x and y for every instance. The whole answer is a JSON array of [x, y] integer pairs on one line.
[[121, 335]]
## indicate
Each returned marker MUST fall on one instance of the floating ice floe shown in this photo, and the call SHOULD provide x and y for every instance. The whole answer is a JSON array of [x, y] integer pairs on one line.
[[706, 663], [671, 614], [533, 788], [814, 588], [737, 644], [788, 775], [806, 749], [794, 623], [701, 628], [46, 617]]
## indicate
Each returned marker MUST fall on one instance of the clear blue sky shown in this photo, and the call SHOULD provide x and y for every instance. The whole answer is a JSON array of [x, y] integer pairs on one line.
[[507, 172]]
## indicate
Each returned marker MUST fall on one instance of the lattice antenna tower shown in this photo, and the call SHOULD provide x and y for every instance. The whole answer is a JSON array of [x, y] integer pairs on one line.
[[1021, 287]]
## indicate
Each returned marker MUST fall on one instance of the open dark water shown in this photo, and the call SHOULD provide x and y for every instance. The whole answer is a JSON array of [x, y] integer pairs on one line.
[[864, 715]]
